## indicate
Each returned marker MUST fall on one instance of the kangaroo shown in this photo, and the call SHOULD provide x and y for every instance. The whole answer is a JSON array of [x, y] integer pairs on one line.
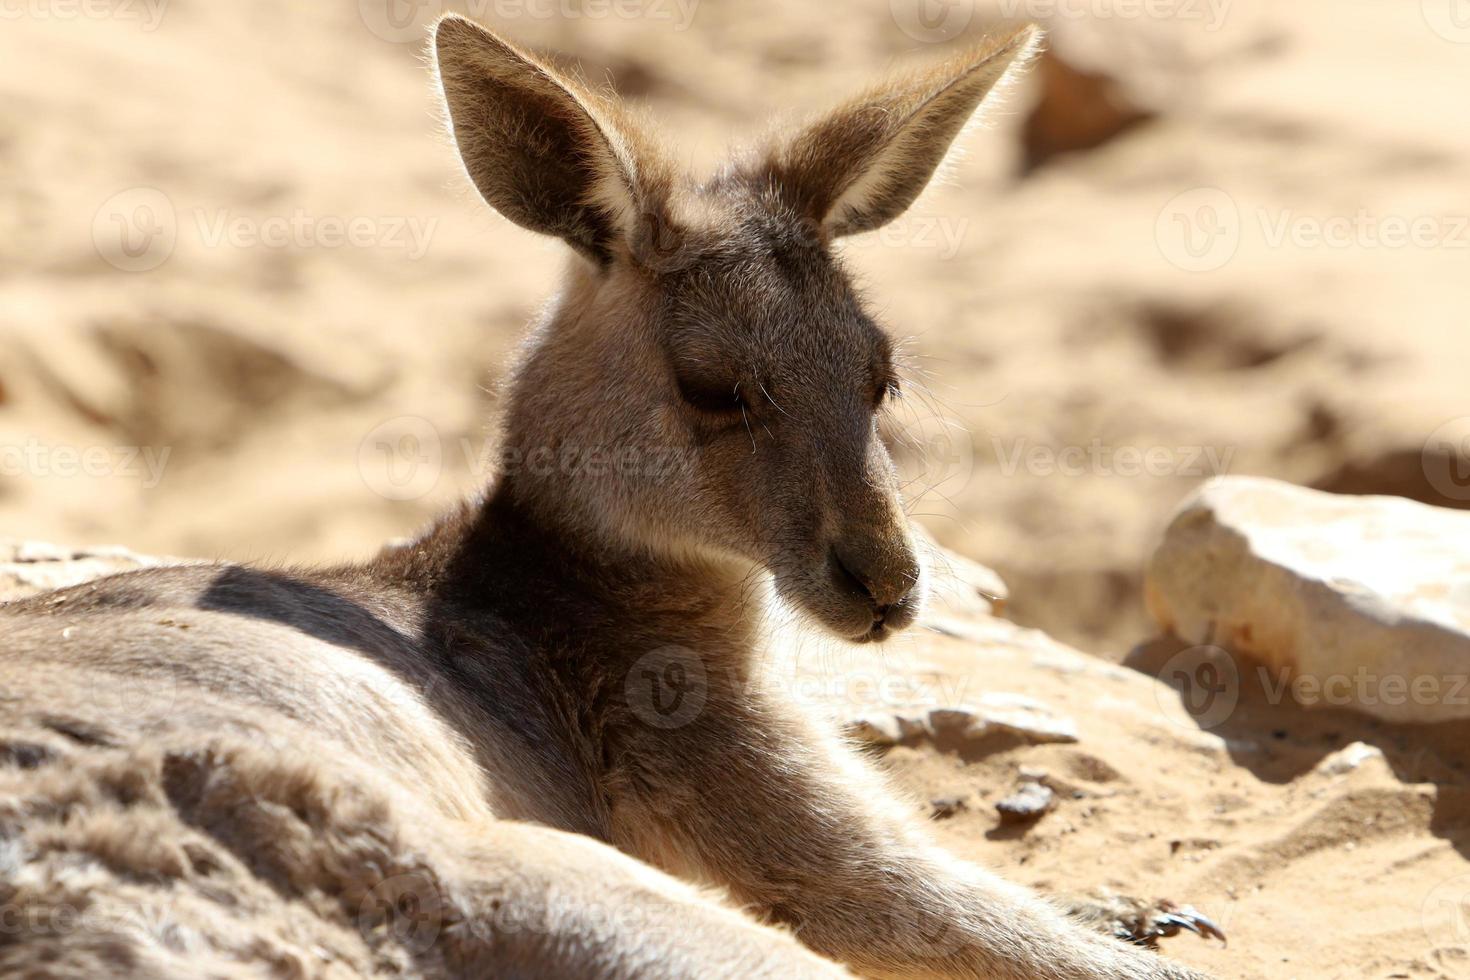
[[535, 741]]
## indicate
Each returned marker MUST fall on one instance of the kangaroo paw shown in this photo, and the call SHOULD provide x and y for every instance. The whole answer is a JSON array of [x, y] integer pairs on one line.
[[1140, 922]]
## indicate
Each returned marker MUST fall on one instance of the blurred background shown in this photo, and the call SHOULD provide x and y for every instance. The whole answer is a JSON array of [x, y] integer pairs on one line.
[[251, 310]]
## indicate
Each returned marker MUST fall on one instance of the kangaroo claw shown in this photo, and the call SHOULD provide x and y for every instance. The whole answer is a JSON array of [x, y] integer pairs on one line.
[[1170, 919], [1144, 923]]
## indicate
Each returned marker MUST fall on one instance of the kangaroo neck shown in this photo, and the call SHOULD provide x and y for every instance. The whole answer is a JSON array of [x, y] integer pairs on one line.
[[500, 557]]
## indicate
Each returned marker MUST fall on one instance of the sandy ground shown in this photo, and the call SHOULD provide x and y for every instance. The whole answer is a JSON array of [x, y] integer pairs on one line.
[[195, 362], [1311, 870]]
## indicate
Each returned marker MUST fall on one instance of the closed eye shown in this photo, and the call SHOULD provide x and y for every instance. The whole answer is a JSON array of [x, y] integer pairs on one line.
[[714, 399]]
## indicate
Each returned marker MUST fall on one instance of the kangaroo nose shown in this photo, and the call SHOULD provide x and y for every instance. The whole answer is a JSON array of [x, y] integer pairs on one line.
[[882, 577]]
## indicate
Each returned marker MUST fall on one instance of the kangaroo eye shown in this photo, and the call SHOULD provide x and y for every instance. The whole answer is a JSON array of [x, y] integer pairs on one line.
[[890, 388], [715, 399]]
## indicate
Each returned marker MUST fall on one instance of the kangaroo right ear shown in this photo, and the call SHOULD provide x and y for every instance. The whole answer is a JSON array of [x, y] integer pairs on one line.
[[863, 164], [542, 154]]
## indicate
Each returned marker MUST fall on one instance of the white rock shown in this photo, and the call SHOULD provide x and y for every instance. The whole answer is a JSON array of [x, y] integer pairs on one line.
[[911, 726], [958, 719], [880, 730], [1039, 727], [958, 587], [1349, 759], [29, 567], [1031, 801], [1032, 774], [36, 551], [1015, 714], [1363, 602]]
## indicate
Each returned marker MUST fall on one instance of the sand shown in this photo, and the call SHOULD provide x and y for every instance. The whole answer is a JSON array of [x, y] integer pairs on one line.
[[289, 348]]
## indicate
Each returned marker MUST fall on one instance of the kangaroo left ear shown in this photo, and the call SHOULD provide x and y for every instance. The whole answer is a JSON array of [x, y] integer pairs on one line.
[[541, 151], [865, 163]]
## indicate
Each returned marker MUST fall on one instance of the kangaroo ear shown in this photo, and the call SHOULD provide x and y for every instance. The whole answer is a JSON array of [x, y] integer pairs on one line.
[[865, 163], [543, 153]]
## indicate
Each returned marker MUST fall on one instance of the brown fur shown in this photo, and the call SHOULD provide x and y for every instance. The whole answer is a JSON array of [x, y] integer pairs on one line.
[[460, 759]]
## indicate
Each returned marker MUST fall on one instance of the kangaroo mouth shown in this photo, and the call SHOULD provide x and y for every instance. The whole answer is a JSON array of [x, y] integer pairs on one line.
[[890, 621], [849, 613]]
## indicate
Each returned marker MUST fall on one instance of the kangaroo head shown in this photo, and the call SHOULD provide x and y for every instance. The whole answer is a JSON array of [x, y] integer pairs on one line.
[[708, 383]]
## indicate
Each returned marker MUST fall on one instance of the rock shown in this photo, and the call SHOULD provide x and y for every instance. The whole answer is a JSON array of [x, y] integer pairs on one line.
[[1033, 774], [881, 731], [1101, 76], [1029, 803], [959, 588], [1026, 718], [27, 552], [1078, 109], [911, 727], [29, 567], [1361, 602], [1013, 714], [944, 721], [1350, 758], [944, 807]]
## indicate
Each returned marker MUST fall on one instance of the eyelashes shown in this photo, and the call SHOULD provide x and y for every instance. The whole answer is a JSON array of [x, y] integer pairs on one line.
[[712, 399], [730, 401]]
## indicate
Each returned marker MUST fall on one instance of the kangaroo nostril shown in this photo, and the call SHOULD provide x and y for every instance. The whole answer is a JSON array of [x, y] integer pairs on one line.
[[883, 588], [851, 577]]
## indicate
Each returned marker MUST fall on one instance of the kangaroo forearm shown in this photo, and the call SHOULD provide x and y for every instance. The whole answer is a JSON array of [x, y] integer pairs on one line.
[[535, 903], [813, 842], [924, 915]]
